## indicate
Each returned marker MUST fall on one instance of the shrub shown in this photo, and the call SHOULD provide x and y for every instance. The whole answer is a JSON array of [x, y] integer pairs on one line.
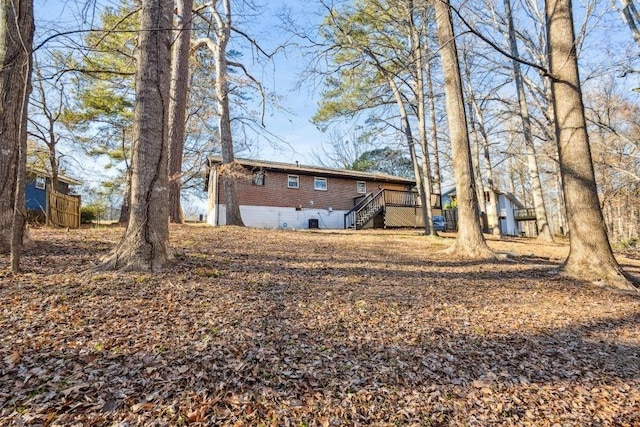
[[90, 213], [630, 244]]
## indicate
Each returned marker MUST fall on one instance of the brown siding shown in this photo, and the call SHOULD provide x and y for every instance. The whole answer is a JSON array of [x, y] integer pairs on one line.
[[389, 186], [339, 195]]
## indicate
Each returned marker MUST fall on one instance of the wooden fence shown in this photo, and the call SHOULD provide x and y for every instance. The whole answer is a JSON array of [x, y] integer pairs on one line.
[[63, 210]]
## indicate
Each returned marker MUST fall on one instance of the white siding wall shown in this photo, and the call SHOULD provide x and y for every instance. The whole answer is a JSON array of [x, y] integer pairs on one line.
[[509, 225], [282, 217]]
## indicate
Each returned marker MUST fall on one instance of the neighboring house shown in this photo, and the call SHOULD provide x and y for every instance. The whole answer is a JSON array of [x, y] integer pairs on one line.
[[283, 195], [511, 211], [38, 198]]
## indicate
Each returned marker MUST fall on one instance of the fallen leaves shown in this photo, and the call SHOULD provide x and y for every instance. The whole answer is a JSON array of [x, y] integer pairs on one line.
[[264, 327], [12, 359]]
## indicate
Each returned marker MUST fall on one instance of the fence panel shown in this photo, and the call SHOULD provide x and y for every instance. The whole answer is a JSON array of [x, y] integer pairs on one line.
[[64, 210]]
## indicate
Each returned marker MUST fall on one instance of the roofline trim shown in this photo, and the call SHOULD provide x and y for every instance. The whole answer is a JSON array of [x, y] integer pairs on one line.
[[314, 170], [47, 174]]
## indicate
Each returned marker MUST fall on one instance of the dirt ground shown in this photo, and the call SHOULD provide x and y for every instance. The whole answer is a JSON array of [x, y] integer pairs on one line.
[[329, 328]]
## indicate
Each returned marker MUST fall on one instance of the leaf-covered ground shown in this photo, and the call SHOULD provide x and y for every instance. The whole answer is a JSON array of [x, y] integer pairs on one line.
[[265, 327]]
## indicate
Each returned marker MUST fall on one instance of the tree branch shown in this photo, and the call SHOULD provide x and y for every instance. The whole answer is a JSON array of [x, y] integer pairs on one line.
[[503, 52]]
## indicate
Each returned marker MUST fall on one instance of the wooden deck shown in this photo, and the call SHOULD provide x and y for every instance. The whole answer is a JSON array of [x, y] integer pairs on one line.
[[526, 214], [399, 209]]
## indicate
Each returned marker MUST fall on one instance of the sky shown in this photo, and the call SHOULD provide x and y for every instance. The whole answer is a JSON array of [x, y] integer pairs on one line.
[[299, 137], [282, 76]]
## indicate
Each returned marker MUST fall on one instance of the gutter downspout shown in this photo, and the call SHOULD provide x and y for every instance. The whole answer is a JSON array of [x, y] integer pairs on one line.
[[213, 195]]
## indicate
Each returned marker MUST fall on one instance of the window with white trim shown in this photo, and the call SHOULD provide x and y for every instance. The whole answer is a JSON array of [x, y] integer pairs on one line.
[[320, 184], [361, 187], [293, 181]]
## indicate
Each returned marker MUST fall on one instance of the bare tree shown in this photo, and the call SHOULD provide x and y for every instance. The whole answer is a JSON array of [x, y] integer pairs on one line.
[[178, 105], [481, 137], [418, 59], [220, 22], [470, 241], [630, 16], [359, 40], [437, 178], [590, 255], [45, 121], [544, 232], [223, 34], [342, 150], [145, 243], [16, 40], [614, 127]]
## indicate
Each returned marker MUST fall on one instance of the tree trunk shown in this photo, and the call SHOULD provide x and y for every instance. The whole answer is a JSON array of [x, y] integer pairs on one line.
[[544, 232], [406, 127], [475, 160], [125, 207], [19, 209], [470, 241], [422, 124], [50, 117], [16, 39], [551, 136], [632, 222], [511, 172], [491, 206], [437, 179], [493, 211], [629, 16], [223, 33], [178, 106], [590, 256], [53, 164], [145, 243]]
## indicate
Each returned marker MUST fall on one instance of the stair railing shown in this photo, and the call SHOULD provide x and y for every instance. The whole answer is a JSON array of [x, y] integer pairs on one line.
[[369, 210], [350, 217]]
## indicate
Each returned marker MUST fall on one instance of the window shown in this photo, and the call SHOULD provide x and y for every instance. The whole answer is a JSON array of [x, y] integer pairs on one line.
[[320, 184], [361, 187], [40, 182], [258, 178], [293, 181]]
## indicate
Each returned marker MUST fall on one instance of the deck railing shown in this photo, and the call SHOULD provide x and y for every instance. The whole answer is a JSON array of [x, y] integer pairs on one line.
[[370, 205], [524, 214], [401, 198]]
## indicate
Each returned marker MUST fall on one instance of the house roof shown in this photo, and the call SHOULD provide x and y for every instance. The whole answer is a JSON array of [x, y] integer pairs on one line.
[[514, 200], [45, 173], [315, 170], [451, 191], [510, 196]]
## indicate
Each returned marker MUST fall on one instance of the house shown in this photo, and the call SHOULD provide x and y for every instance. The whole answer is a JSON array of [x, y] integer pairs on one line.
[[42, 204], [37, 184], [283, 195], [511, 211]]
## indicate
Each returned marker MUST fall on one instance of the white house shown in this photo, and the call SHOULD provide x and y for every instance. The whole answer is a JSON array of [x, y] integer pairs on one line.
[[510, 211]]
